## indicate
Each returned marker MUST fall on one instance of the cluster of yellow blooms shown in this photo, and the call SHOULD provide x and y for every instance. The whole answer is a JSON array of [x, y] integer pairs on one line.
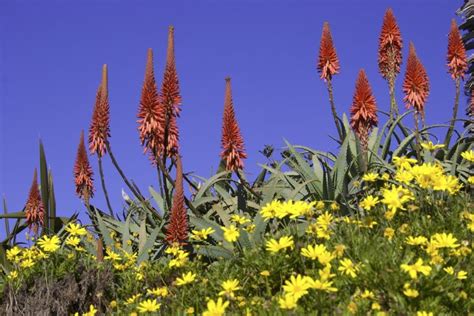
[[293, 209]]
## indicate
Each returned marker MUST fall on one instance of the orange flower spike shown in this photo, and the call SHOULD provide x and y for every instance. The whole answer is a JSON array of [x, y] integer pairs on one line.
[[170, 94], [83, 172], [150, 113], [363, 109], [457, 60], [34, 208], [233, 151], [390, 46], [99, 130], [416, 85], [177, 229], [328, 63]]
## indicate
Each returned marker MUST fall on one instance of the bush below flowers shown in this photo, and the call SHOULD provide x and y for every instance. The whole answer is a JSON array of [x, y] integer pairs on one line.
[[408, 250]]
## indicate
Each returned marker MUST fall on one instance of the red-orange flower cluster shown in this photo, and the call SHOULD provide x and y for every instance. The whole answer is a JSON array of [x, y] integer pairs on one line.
[[328, 63], [363, 109], [83, 172], [390, 47], [233, 151], [457, 60], [416, 85], [177, 229], [99, 130], [150, 115], [34, 208], [171, 98]]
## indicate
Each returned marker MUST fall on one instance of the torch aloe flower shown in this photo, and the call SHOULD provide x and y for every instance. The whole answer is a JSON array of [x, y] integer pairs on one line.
[[177, 229], [99, 130], [34, 208], [457, 60], [390, 46], [233, 151], [363, 110], [457, 65], [171, 99], [390, 54], [328, 63], [416, 85], [150, 115], [83, 172]]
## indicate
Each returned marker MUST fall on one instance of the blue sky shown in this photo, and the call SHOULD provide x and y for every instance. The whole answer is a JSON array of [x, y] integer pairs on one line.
[[51, 55]]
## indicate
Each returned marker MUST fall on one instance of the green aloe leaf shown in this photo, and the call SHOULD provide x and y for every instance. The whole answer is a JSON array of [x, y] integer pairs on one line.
[[210, 182], [5, 212], [44, 185], [52, 203]]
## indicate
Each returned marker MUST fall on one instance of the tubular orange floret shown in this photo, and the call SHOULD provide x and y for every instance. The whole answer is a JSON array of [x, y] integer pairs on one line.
[[150, 113], [34, 208], [328, 63], [170, 94], [83, 172], [177, 229], [363, 109], [99, 130], [457, 60], [416, 85], [390, 47], [233, 151]]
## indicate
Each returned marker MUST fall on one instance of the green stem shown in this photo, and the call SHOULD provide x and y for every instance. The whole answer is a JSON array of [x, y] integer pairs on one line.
[[102, 180], [417, 137], [393, 102], [137, 194], [449, 134], [333, 109]]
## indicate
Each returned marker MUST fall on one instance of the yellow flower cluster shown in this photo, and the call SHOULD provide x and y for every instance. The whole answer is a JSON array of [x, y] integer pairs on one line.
[[274, 246], [202, 234], [426, 176], [321, 228], [293, 209], [180, 258], [298, 286]]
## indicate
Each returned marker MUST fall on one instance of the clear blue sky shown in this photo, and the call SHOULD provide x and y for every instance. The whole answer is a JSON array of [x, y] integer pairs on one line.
[[51, 54]]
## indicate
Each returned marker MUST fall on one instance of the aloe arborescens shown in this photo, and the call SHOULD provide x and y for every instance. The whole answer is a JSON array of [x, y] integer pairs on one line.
[[150, 113], [233, 152], [177, 229], [328, 66], [171, 99], [34, 208], [457, 66], [363, 109], [83, 175], [416, 88], [390, 55]]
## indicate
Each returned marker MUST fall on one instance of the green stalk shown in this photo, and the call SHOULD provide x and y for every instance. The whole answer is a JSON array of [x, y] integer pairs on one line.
[[124, 178], [102, 180], [417, 137], [393, 103], [165, 184], [333, 109], [449, 134], [5, 211]]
